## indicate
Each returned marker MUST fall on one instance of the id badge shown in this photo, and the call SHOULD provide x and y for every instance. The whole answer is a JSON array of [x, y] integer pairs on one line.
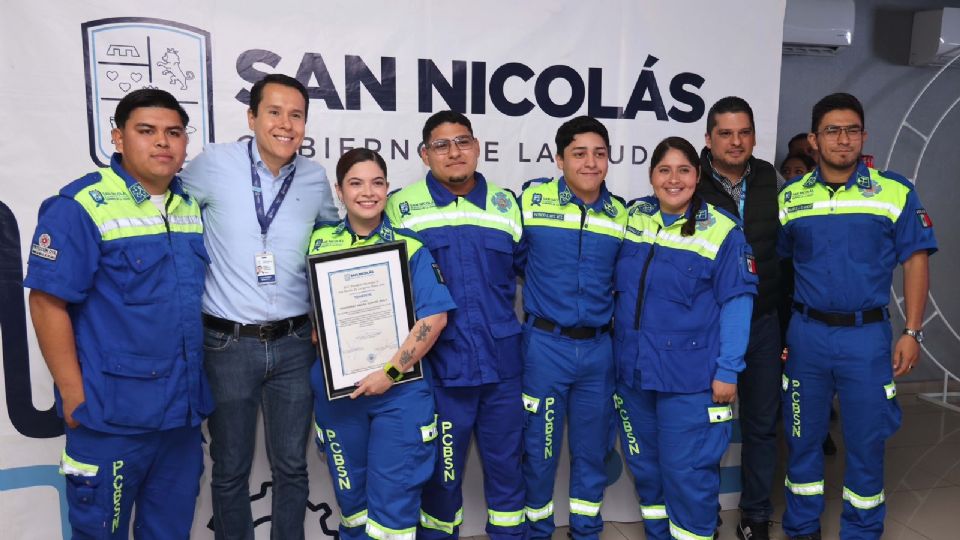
[[266, 268]]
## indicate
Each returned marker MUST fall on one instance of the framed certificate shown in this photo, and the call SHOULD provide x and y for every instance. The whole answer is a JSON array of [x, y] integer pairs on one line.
[[363, 310]]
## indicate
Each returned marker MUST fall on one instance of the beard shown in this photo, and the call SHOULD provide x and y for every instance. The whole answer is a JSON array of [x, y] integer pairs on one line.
[[458, 179], [726, 164], [839, 164]]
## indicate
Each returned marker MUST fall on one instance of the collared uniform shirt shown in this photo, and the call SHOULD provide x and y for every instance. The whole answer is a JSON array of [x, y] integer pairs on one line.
[[220, 179], [132, 280], [673, 340], [571, 248], [846, 244], [475, 240]]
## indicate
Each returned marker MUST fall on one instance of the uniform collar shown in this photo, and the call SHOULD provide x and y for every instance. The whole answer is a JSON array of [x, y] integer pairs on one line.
[[384, 230], [442, 196], [258, 161], [701, 213], [136, 189], [603, 204], [859, 175]]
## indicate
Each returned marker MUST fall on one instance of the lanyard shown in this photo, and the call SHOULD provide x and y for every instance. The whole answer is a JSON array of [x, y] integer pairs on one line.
[[266, 219], [743, 196]]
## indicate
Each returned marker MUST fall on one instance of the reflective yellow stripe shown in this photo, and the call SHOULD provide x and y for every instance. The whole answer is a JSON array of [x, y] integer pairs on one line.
[[356, 520], [505, 519], [682, 534], [861, 502], [890, 389], [808, 489], [376, 530], [530, 403], [68, 465], [584, 508], [445, 218], [429, 432], [537, 514], [656, 511], [430, 522], [720, 414]]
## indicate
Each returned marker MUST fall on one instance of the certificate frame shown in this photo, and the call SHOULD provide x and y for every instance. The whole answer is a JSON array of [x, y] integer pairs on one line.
[[360, 320]]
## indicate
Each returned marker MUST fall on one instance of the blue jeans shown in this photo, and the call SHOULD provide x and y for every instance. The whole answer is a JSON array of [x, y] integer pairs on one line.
[[759, 393], [247, 374]]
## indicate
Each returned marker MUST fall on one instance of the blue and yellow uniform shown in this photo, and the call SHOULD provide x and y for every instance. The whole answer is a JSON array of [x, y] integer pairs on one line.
[[132, 279], [571, 249], [476, 362], [671, 291], [381, 450], [845, 245]]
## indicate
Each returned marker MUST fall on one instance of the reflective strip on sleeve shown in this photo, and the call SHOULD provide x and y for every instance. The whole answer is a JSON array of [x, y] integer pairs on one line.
[[429, 432], [682, 534], [785, 382], [530, 403], [584, 508], [356, 520], [537, 514], [656, 511], [430, 522], [863, 503], [68, 465], [376, 530], [811, 488], [720, 414], [605, 224], [890, 389], [505, 519]]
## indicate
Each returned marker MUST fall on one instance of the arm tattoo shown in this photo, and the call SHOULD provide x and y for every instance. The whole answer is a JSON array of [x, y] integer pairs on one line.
[[406, 357], [423, 331]]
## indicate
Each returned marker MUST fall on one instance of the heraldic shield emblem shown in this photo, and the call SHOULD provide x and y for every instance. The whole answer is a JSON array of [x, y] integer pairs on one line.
[[127, 53]]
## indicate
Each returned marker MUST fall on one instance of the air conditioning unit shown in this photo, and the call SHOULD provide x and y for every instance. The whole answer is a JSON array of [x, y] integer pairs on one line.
[[936, 37], [817, 27]]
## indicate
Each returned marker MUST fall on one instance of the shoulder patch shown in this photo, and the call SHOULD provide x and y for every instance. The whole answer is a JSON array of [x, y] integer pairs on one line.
[[438, 274], [501, 202], [644, 205], [42, 248], [924, 218]]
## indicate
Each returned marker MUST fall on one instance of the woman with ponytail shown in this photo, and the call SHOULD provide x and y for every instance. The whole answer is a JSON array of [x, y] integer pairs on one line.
[[685, 281]]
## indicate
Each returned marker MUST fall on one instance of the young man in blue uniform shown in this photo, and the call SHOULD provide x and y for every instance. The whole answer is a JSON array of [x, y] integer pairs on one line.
[[573, 228], [472, 228], [116, 272], [260, 200], [846, 227]]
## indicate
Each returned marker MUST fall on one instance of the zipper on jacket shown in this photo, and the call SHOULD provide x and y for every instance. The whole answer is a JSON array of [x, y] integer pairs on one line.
[[583, 219], [643, 280]]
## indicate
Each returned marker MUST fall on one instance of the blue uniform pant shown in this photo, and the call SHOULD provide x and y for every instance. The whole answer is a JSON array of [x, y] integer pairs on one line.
[[855, 363], [673, 444], [758, 388], [380, 450], [247, 375], [109, 477], [495, 414], [572, 380]]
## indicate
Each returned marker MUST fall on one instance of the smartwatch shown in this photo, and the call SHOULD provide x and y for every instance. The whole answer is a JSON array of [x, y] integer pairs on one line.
[[392, 372]]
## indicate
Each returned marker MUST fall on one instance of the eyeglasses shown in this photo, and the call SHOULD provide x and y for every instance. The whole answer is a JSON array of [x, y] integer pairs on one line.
[[442, 146], [832, 133]]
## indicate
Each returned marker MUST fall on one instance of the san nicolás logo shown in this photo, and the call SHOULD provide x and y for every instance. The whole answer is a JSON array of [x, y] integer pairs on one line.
[[124, 54]]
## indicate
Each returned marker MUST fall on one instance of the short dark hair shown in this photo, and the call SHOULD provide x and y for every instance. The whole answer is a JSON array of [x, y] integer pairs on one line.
[[683, 146], [445, 117], [729, 104], [256, 93], [147, 97], [808, 161], [795, 138], [836, 102], [358, 155], [575, 126]]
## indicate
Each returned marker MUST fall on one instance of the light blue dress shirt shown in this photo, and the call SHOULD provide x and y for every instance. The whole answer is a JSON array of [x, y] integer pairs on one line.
[[219, 178]]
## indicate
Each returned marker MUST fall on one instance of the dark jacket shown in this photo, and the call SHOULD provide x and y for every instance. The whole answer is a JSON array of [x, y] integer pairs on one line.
[[760, 223]]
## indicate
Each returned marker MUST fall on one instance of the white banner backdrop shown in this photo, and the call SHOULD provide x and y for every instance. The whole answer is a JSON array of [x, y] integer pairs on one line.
[[375, 71]]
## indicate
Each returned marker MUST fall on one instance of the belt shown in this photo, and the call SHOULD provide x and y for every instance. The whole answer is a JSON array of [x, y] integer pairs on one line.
[[576, 332], [264, 332], [844, 319]]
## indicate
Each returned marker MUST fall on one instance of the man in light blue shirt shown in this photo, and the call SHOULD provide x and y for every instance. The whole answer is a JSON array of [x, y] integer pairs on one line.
[[259, 201]]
